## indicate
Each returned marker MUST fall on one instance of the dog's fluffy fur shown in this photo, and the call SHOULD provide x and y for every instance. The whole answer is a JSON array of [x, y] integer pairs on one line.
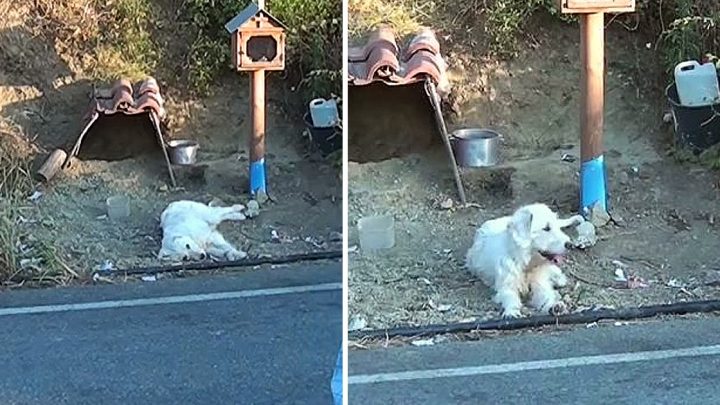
[[190, 231], [519, 255]]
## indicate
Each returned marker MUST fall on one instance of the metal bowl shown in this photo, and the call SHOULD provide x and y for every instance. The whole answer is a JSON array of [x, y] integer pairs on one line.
[[182, 152], [476, 147]]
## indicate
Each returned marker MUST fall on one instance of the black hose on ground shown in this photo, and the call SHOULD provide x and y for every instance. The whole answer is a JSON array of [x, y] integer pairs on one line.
[[542, 320], [199, 266]]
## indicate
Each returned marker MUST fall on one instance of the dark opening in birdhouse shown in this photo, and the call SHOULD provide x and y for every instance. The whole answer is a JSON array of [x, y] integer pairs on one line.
[[262, 48]]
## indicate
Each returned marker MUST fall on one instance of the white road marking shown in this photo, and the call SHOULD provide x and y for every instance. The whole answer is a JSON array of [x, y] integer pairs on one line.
[[534, 365], [177, 299]]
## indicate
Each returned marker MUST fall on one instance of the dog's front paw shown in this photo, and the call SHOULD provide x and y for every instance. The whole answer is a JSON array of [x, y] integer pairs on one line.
[[236, 255], [511, 313], [238, 208]]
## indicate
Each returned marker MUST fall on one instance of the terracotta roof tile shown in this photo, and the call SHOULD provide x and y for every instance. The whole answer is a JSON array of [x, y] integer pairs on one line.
[[126, 98], [382, 60]]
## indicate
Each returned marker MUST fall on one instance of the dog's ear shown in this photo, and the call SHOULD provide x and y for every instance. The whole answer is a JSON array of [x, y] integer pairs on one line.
[[520, 226]]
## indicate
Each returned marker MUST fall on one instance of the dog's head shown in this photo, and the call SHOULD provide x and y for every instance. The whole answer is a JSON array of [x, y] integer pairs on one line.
[[182, 248], [538, 229]]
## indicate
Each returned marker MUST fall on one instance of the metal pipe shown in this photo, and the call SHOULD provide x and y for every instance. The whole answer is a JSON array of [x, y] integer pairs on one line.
[[431, 91], [257, 137], [593, 182]]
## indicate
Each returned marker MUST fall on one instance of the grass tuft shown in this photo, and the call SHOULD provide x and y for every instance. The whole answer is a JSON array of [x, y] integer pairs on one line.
[[22, 258]]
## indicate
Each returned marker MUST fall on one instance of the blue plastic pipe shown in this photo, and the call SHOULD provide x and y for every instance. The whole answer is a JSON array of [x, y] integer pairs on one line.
[[593, 185], [257, 177]]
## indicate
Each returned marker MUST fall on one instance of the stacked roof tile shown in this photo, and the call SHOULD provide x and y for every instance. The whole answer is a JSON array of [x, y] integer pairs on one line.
[[382, 60], [127, 99]]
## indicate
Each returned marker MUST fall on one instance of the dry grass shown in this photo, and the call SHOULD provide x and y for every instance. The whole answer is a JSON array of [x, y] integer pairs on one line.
[[22, 258], [99, 39], [405, 16], [15, 182]]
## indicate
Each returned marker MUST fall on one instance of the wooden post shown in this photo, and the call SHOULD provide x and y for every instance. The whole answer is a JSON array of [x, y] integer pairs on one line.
[[257, 137], [593, 189]]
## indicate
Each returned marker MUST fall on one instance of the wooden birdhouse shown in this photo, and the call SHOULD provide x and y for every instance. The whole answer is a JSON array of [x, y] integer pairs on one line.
[[258, 40], [596, 6]]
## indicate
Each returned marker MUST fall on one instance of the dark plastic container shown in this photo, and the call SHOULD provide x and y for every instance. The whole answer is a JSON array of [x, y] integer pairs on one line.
[[696, 128], [328, 140]]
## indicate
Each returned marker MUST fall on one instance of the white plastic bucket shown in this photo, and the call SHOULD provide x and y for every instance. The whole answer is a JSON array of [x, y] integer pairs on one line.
[[118, 207], [377, 232]]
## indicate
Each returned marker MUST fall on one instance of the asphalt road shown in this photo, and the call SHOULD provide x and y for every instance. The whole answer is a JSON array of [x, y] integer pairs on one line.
[[669, 362], [184, 342]]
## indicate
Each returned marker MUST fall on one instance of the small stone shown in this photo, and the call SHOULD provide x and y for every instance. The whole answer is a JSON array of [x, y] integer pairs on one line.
[[335, 236], [357, 322], [446, 204], [164, 188], [253, 209], [261, 197], [598, 216], [618, 220], [586, 236]]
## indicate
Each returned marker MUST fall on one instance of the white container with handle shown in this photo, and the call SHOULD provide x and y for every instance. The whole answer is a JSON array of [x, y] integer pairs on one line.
[[697, 84], [324, 113]]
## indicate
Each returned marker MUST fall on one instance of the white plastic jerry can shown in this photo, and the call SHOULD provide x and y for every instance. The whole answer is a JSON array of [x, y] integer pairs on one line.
[[697, 84], [324, 113]]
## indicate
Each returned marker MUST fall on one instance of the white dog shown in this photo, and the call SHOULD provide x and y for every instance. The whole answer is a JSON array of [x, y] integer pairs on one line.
[[190, 231], [519, 254]]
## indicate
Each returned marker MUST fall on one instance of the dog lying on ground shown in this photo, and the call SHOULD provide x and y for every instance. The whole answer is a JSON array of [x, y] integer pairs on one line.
[[519, 255], [190, 231]]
